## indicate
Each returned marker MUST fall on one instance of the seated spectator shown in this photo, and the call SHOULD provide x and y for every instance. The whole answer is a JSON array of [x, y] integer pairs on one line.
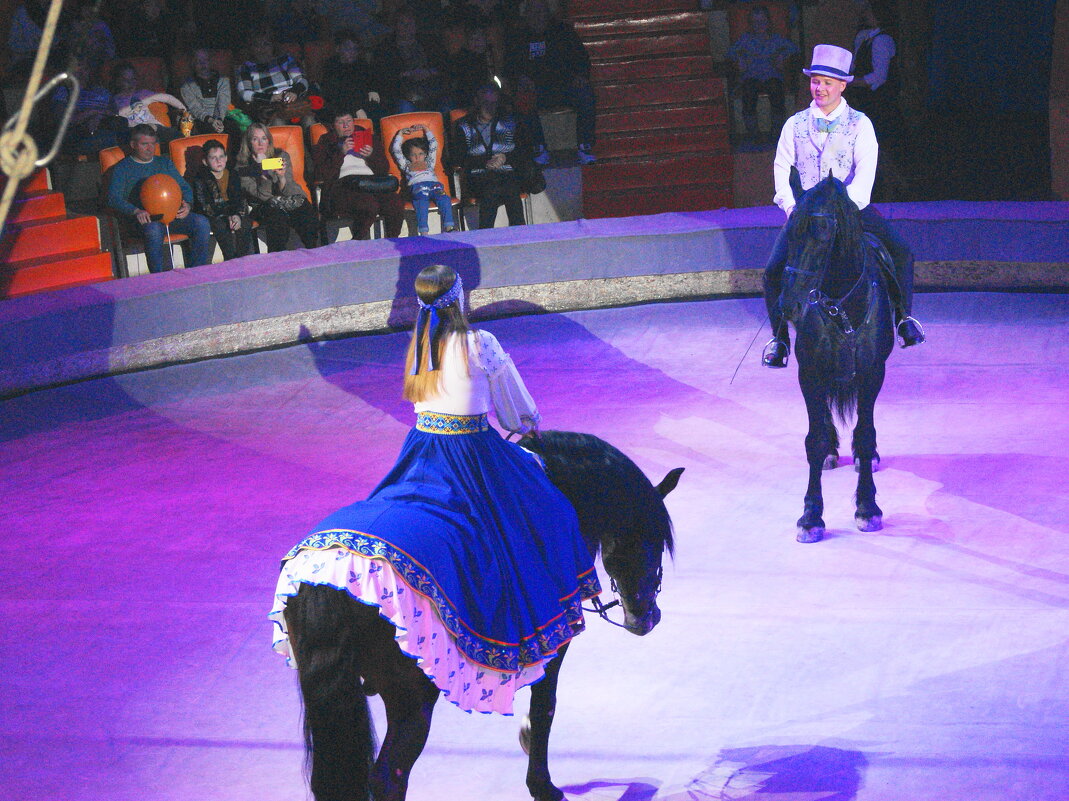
[[207, 96], [417, 158], [295, 20], [217, 195], [132, 103], [88, 36], [124, 196], [409, 71], [27, 27], [468, 68], [94, 125], [489, 155], [344, 169], [273, 86], [278, 202], [346, 80], [548, 66], [149, 28], [760, 58]]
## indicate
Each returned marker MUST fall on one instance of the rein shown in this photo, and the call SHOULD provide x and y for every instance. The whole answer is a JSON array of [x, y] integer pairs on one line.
[[602, 609]]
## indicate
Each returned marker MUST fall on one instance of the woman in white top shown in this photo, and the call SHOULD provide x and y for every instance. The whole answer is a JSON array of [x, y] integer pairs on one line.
[[465, 546]]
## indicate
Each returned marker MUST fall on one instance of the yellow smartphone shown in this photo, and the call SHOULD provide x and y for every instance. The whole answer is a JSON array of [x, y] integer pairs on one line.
[[272, 164]]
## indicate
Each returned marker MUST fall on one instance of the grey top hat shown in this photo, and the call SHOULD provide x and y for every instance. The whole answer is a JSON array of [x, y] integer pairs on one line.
[[831, 61]]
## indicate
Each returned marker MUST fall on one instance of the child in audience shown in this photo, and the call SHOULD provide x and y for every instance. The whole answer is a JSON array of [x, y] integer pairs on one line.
[[417, 158]]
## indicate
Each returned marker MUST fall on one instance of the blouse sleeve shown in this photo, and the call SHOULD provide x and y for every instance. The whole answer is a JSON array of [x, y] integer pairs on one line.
[[513, 405]]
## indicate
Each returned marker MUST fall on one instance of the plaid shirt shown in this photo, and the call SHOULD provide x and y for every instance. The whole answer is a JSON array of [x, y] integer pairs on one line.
[[257, 82]]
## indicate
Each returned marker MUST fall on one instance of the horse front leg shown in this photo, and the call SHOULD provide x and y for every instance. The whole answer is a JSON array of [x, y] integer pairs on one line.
[[867, 515], [409, 697], [534, 735], [817, 447]]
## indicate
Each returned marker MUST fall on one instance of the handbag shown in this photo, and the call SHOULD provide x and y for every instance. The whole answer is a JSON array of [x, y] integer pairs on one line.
[[532, 179], [372, 184], [287, 202]]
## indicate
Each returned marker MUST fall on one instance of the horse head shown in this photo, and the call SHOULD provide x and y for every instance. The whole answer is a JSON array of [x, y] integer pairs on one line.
[[824, 237], [621, 513]]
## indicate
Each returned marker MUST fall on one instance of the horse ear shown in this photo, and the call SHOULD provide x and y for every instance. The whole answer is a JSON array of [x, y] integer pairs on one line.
[[668, 483], [796, 184]]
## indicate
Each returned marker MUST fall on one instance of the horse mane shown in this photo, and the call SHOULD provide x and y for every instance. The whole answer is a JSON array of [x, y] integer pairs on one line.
[[830, 196], [613, 499]]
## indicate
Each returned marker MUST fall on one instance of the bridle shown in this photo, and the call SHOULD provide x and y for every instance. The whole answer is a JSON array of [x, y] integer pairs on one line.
[[602, 609]]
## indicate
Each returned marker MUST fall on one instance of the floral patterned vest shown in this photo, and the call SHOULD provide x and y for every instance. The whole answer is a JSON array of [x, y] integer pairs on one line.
[[837, 155]]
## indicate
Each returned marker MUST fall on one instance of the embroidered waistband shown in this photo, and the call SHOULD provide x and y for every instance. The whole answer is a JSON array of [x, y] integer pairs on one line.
[[435, 423]]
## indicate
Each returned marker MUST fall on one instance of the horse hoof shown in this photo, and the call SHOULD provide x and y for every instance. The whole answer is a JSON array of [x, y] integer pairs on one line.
[[525, 735], [551, 793], [831, 461], [874, 523], [810, 534]]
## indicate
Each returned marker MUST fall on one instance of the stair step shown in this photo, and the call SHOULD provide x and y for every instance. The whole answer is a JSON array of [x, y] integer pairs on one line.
[[642, 25], [610, 72], [700, 197], [72, 269], [660, 93], [581, 9], [654, 143], [676, 170], [37, 205], [42, 239], [691, 43], [39, 181], [661, 119]]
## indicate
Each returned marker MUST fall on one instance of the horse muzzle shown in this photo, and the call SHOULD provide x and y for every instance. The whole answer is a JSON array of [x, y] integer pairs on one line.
[[642, 624]]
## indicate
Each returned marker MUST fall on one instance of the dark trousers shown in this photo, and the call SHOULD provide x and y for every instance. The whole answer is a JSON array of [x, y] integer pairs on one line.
[[872, 222], [492, 190], [346, 200], [749, 89], [234, 244], [581, 99], [277, 223]]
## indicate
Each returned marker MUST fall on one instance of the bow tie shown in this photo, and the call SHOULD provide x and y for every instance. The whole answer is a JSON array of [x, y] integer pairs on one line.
[[826, 126]]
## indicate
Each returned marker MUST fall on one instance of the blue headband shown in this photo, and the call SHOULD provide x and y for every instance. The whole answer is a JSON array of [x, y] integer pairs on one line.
[[430, 310]]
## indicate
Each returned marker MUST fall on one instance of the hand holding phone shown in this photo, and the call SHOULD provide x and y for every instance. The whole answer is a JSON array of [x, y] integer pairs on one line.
[[272, 164]]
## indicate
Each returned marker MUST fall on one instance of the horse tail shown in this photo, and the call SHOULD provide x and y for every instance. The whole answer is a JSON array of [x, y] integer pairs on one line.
[[842, 399], [338, 734]]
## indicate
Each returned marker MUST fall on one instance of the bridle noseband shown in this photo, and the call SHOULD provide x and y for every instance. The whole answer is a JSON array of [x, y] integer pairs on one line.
[[602, 609]]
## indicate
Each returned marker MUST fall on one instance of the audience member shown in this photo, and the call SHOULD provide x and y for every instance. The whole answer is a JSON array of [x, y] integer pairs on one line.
[[548, 66], [346, 83], [93, 125], [490, 157], [409, 72], [27, 27], [89, 38], [207, 96], [124, 196], [417, 158], [295, 20], [874, 91], [468, 68], [356, 180], [132, 103], [355, 15], [148, 28], [273, 86], [761, 58], [278, 202], [217, 195]]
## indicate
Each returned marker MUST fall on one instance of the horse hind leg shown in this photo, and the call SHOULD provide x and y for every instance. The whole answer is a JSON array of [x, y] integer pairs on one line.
[[339, 739], [534, 735], [831, 461]]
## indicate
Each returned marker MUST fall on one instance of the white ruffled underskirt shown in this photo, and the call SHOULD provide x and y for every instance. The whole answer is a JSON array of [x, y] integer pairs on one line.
[[419, 630]]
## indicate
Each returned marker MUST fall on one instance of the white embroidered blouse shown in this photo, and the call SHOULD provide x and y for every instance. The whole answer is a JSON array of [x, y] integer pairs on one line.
[[488, 379]]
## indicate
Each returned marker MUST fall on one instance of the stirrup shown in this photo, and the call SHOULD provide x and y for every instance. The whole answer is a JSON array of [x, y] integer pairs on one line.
[[914, 338], [776, 353]]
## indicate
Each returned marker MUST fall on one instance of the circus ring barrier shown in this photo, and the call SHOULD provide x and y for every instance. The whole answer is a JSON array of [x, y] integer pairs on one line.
[[353, 288]]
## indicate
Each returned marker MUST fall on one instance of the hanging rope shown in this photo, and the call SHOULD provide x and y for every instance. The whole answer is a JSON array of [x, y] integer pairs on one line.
[[18, 151]]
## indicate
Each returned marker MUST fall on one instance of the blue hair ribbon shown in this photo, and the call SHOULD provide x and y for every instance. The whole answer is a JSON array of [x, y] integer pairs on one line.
[[430, 310]]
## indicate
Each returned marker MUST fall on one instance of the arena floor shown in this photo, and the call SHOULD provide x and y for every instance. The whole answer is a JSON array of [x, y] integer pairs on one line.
[[145, 514]]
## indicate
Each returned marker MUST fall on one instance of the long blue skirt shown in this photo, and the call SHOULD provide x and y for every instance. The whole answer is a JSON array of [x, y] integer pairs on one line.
[[472, 523]]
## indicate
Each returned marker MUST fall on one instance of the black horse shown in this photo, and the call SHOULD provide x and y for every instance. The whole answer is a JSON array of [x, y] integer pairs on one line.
[[345, 651], [833, 291]]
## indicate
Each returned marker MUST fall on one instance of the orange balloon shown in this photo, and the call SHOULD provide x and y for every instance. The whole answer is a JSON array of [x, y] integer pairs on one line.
[[161, 197]]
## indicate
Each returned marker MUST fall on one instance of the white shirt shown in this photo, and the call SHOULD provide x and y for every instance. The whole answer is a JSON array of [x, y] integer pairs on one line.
[[863, 173], [488, 379], [354, 165]]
